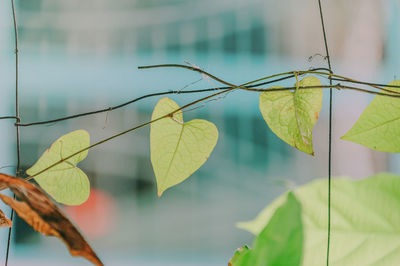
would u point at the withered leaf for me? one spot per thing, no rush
(36, 208)
(4, 221)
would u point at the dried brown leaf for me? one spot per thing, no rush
(37, 209)
(4, 221)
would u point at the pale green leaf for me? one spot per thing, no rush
(292, 115)
(280, 243)
(178, 149)
(365, 227)
(378, 127)
(65, 182)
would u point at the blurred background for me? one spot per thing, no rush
(78, 56)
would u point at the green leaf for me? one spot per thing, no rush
(378, 127)
(65, 182)
(365, 225)
(280, 242)
(178, 149)
(240, 257)
(292, 115)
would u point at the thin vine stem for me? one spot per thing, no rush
(177, 92)
(330, 74)
(370, 84)
(17, 117)
(329, 134)
(333, 86)
(127, 131)
(390, 93)
(337, 86)
(245, 86)
(145, 124)
(232, 87)
(9, 117)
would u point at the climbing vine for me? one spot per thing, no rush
(292, 229)
(179, 148)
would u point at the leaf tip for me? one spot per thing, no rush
(4, 221)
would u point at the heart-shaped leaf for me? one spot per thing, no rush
(37, 210)
(378, 127)
(292, 115)
(279, 243)
(178, 149)
(65, 182)
(365, 223)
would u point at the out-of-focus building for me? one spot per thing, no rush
(125, 27)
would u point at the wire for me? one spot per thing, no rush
(329, 134)
(16, 117)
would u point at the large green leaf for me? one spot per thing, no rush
(65, 182)
(292, 115)
(280, 243)
(365, 228)
(178, 149)
(378, 127)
